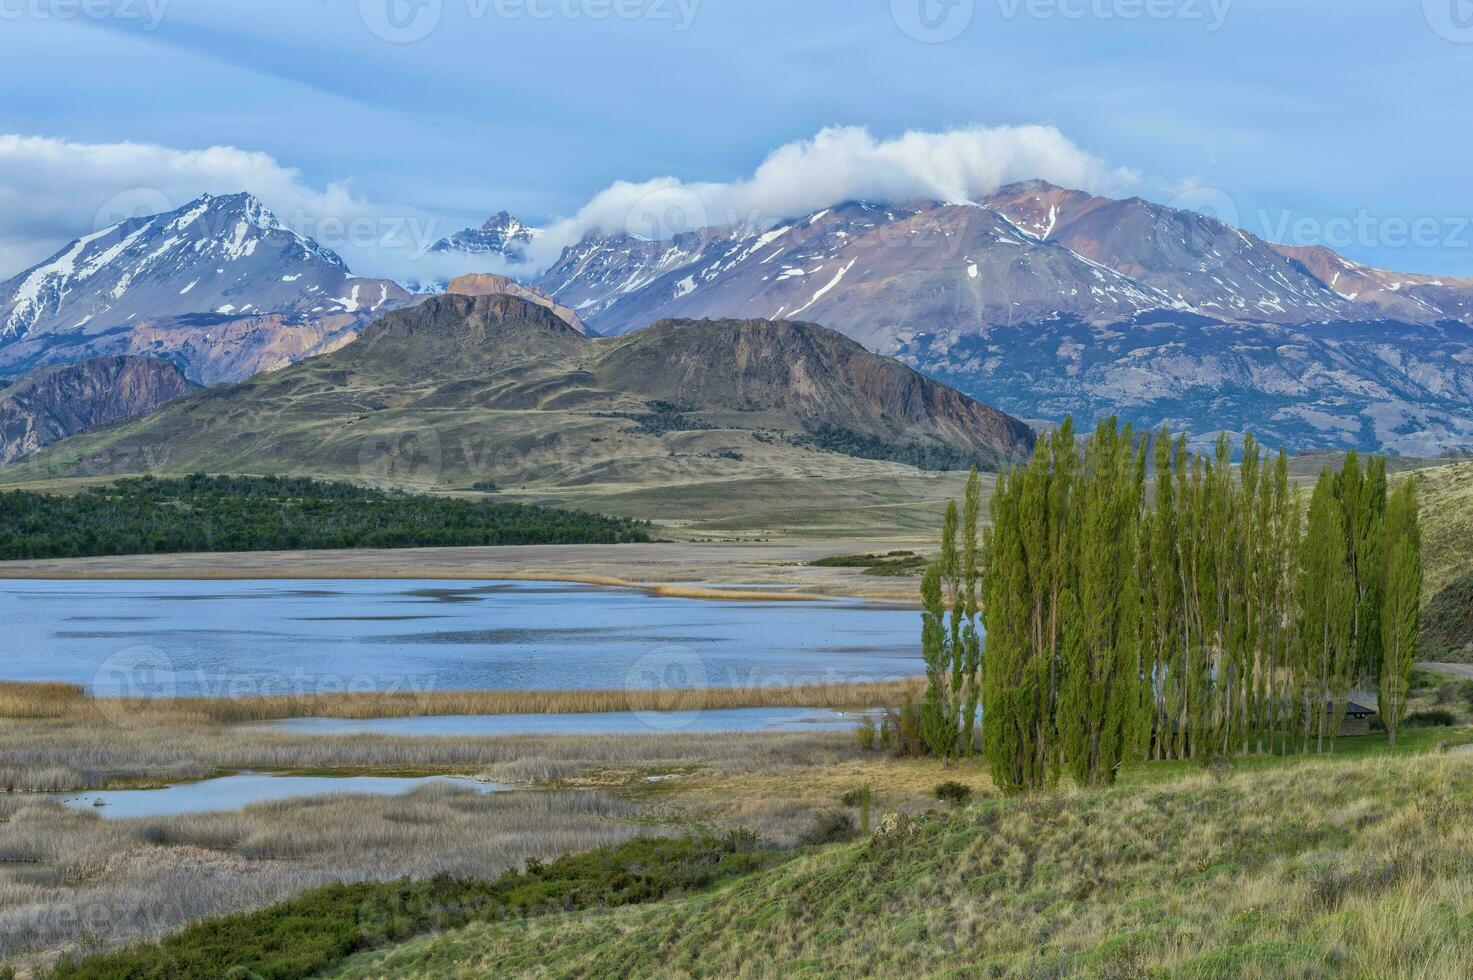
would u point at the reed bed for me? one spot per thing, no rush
(73, 882)
(70, 701)
(60, 756)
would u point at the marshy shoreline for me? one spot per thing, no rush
(718, 570)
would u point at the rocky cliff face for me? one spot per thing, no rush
(51, 403)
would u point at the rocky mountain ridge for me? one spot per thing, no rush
(462, 390)
(51, 403)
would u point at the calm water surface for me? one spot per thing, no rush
(235, 638)
(243, 789)
(583, 723)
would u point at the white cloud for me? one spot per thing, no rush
(52, 191)
(844, 163)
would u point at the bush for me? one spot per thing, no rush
(866, 735)
(830, 827)
(308, 934)
(1433, 718)
(901, 731)
(953, 792)
(859, 798)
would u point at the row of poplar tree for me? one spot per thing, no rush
(1210, 615)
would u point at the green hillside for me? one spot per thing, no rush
(1319, 869)
(460, 392)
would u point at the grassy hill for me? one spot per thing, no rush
(1446, 496)
(1316, 869)
(462, 392)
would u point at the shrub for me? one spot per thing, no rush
(830, 827)
(859, 798)
(902, 733)
(953, 792)
(310, 933)
(867, 735)
(1433, 718)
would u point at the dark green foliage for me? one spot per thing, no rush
(953, 792)
(921, 455)
(249, 513)
(891, 563)
(312, 932)
(830, 827)
(661, 418)
(1431, 718)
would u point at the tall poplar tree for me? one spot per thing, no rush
(1326, 608)
(1100, 699)
(940, 642)
(970, 651)
(1400, 618)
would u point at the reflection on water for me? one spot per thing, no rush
(243, 789)
(258, 637)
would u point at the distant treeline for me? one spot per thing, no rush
(240, 513)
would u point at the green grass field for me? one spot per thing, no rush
(1348, 867)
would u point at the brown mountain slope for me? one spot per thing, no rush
(489, 283)
(792, 370)
(463, 390)
(51, 403)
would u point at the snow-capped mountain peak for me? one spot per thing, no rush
(222, 256)
(502, 234)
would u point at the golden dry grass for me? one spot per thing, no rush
(68, 701)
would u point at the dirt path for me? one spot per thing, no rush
(1456, 670)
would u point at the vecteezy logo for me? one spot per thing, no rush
(1451, 19)
(136, 202)
(1212, 203)
(131, 681)
(677, 676)
(666, 212)
(1209, 201)
(933, 21)
(409, 456)
(401, 21)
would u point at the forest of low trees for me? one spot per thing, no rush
(250, 513)
(1141, 601)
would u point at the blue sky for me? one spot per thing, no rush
(1349, 122)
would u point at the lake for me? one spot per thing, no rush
(582, 723)
(242, 638)
(242, 789)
